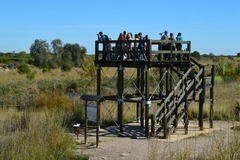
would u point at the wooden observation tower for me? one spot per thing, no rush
(166, 83)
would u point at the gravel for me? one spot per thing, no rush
(132, 145)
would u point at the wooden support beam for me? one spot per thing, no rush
(212, 96)
(153, 125)
(201, 101)
(147, 101)
(186, 110)
(120, 97)
(86, 124)
(142, 91)
(98, 124)
(138, 86)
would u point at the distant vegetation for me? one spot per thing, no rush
(41, 54)
(39, 97)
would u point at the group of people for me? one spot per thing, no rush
(177, 46)
(137, 45)
(125, 46)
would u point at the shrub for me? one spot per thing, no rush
(72, 86)
(4, 90)
(66, 67)
(53, 100)
(46, 68)
(228, 70)
(31, 75)
(24, 68)
(11, 65)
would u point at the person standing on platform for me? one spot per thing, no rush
(103, 38)
(179, 38)
(165, 37)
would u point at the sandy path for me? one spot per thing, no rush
(134, 146)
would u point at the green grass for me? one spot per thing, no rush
(218, 78)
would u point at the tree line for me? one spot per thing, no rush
(42, 53)
(58, 54)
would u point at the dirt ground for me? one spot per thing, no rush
(132, 144)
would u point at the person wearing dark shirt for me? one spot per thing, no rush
(141, 47)
(103, 38)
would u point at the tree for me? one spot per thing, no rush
(196, 54)
(57, 46)
(238, 54)
(211, 55)
(57, 50)
(41, 52)
(22, 53)
(74, 53)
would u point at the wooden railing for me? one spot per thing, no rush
(151, 51)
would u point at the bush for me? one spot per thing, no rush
(24, 68)
(31, 75)
(46, 68)
(66, 67)
(11, 65)
(228, 70)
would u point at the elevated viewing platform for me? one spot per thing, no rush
(155, 79)
(148, 52)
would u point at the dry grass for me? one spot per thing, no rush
(226, 96)
(12, 76)
(33, 135)
(220, 145)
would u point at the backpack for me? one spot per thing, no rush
(106, 37)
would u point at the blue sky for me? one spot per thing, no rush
(211, 25)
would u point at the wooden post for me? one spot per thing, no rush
(94, 114)
(142, 91)
(189, 50)
(138, 86)
(153, 125)
(86, 124)
(186, 108)
(201, 102)
(171, 80)
(98, 123)
(98, 79)
(167, 82)
(120, 97)
(212, 96)
(98, 103)
(175, 123)
(161, 83)
(165, 127)
(147, 101)
(96, 51)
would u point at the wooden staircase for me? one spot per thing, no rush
(174, 108)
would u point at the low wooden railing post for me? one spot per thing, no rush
(212, 96)
(152, 125)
